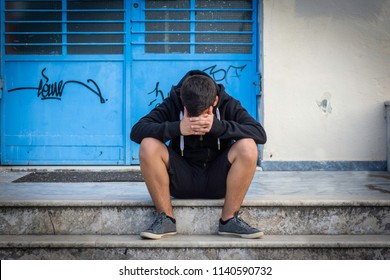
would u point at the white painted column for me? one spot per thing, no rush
(387, 106)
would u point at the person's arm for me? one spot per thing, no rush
(157, 124)
(238, 124)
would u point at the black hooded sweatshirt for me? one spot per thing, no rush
(163, 123)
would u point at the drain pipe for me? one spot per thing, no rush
(387, 106)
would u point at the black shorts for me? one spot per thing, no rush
(188, 180)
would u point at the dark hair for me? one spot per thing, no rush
(198, 93)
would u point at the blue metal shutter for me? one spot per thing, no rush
(169, 38)
(64, 101)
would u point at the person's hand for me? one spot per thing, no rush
(197, 125)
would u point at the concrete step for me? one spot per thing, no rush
(277, 217)
(305, 215)
(194, 247)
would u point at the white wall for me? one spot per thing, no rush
(326, 78)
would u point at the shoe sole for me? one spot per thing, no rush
(149, 235)
(247, 236)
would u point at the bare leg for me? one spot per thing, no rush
(243, 157)
(154, 162)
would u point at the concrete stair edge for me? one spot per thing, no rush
(194, 241)
(271, 202)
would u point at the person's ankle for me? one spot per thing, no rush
(226, 218)
(171, 217)
(224, 222)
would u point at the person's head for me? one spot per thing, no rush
(198, 93)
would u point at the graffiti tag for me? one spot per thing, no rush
(54, 90)
(217, 74)
(223, 74)
(158, 94)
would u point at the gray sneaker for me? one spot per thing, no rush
(238, 227)
(162, 226)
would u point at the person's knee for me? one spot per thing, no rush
(150, 149)
(246, 150)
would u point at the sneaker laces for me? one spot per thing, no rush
(158, 220)
(237, 217)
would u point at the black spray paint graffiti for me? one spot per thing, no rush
(217, 74)
(46, 90)
(158, 93)
(222, 74)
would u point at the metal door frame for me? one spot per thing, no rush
(2, 3)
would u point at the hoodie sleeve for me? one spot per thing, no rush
(157, 124)
(237, 123)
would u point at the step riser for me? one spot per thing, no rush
(195, 253)
(296, 220)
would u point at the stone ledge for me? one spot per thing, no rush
(264, 202)
(194, 241)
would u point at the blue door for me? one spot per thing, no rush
(170, 38)
(64, 97)
(79, 73)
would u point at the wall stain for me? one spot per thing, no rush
(324, 104)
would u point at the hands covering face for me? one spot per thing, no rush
(199, 125)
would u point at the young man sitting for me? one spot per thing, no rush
(212, 153)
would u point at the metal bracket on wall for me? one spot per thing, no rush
(1, 87)
(258, 84)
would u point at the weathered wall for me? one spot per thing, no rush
(326, 78)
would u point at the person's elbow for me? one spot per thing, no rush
(262, 137)
(135, 135)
